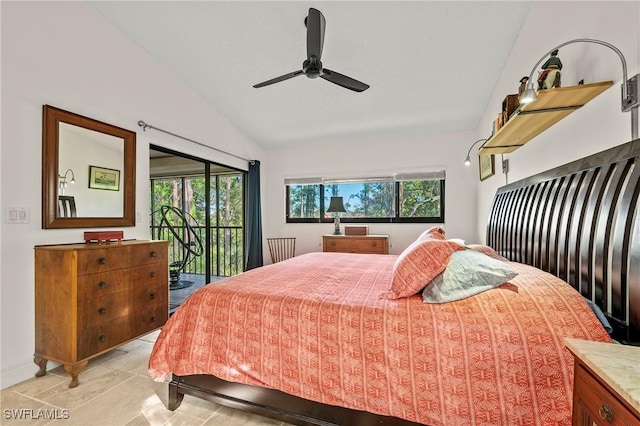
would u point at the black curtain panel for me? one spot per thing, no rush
(253, 229)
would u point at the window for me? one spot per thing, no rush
(303, 201)
(414, 197)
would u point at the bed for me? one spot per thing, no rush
(329, 348)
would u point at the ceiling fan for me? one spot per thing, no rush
(312, 67)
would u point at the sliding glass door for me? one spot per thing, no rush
(198, 206)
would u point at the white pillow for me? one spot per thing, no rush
(468, 273)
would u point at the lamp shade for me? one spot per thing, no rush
(336, 205)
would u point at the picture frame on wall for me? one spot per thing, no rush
(487, 166)
(103, 178)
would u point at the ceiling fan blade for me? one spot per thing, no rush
(315, 33)
(279, 79)
(343, 80)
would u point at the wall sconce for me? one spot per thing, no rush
(467, 161)
(630, 96)
(63, 180)
(336, 206)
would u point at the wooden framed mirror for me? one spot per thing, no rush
(88, 172)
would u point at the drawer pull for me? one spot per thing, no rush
(152, 296)
(373, 244)
(102, 284)
(152, 274)
(153, 319)
(154, 254)
(102, 311)
(102, 338)
(102, 260)
(606, 413)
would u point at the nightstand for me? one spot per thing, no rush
(371, 244)
(606, 388)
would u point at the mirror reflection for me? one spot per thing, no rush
(88, 172)
(90, 165)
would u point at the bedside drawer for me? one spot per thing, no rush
(338, 244)
(594, 404)
(369, 244)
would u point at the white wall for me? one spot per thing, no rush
(595, 127)
(65, 55)
(372, 158)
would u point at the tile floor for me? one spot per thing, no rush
(115, 389)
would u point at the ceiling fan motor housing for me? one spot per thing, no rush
(312, 68)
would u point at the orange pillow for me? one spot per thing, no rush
(418, 265)
(436, 232)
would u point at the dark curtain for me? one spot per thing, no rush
(253, 227)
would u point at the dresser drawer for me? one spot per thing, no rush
(101, 310)
(145, 254)
(110, 258)
(105, 283)
(594, 404)
(99, 338)
(105, 259)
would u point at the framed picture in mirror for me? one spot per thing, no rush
(103, 178)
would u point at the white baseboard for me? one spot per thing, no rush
(26, 370)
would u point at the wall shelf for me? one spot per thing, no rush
(532, 119)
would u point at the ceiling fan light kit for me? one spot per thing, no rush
(312, 66)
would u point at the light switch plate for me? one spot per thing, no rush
(18, 215)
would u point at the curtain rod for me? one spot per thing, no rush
(146, 126)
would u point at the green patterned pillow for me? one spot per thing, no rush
(468, 273)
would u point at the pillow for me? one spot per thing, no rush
(436, 232)
(468, 273)
(418, 265)
(457, 241)
(486, 250)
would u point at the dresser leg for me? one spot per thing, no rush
(73, 370)
(42, 363)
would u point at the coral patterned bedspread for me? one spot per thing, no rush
(314, 326)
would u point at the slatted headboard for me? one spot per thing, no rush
(581, 223)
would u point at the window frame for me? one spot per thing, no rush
(395, 219)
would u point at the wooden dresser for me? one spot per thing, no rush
(372, 244)
(91, 298)
(606, 387)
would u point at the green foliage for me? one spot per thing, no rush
(304, 201)
(420, 198)
(226, 218)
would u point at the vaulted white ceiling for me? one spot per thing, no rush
(431, 65)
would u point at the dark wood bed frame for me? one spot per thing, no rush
(579, 222)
